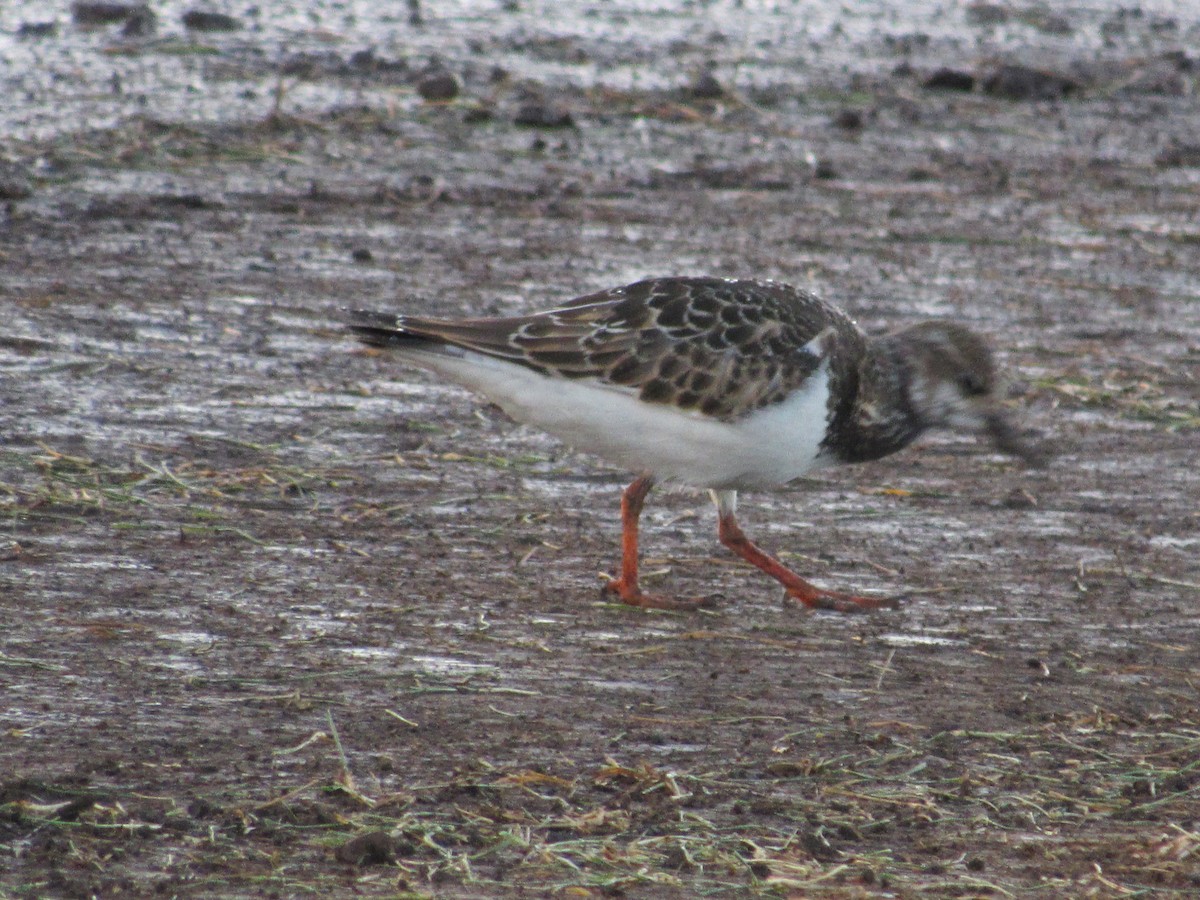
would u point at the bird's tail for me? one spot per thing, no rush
(378, 329)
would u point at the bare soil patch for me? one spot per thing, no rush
(281, 617)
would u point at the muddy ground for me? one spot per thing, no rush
(281, 617)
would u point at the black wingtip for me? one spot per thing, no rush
(378, 329)
(375, 329)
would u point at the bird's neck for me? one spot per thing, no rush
(880, 419)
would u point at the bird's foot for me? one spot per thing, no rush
(632, 595)
(843, 603)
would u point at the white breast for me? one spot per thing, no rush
(769, 447)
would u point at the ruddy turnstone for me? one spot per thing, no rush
(720, 384)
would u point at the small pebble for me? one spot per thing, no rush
(824, 170)
(375, 848)
(37, 29)
(15, 182)
(706, 87)
(986, 14)
(1023, 83)
(439, 87)
(199, 20)
(849, 119)
(540, 115)
(950, 80)
(478, 114)
(142, 22)
(98, 12)
(1019, 498)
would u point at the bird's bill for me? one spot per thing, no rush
(1009, 439)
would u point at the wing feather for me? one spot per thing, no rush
(721, 347)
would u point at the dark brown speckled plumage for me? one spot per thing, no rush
(721, 347)
(725, 353)
(726, 348)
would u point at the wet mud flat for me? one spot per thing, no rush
(281, 617)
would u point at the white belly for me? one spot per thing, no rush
(769, 447)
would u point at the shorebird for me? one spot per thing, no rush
(714, 383)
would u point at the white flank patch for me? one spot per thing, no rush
(769, 447)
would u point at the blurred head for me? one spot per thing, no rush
(954, 384)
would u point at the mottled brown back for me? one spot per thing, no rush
(717, 346)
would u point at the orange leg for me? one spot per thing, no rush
(732, 536)
(626, 587)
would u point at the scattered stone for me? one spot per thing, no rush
(361, 63)
(15, 183)
(375, 848)
(73, 809)
(1019, 498)
(301, 65)
(202, 808)
(367, 61)
(37, 29)
(706, 87)
(141, 23)
(824, 170)
(849, 120)
(420, 188)
(477, 115)
(1047, 22)
(542, 115)
(363, 60)
(986, 14)
(200, 20)
(100, 12)
(1012, 82)
(1180, 60)
(439, 86)
(760, 869)
(186, 201)
(950, 80)
(311, 64)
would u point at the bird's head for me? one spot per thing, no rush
(954, 383)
